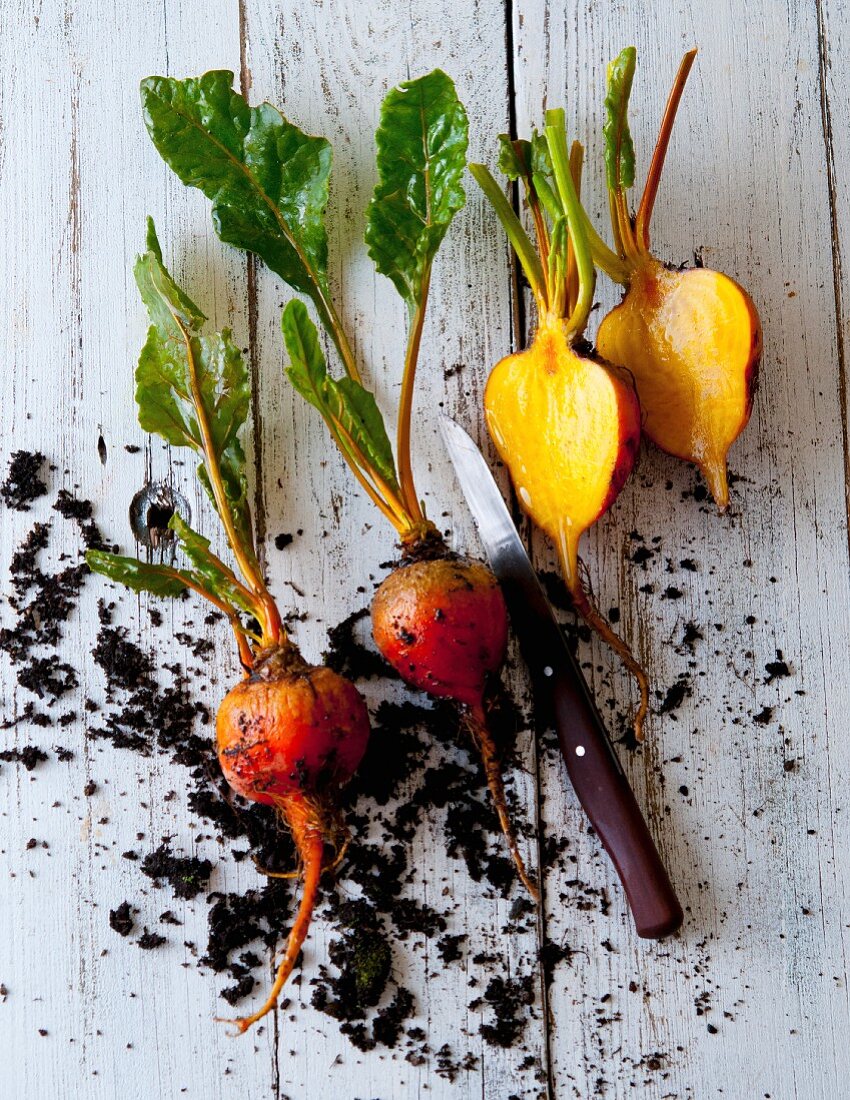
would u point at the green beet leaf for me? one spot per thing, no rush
(161, 580)
(514, 157)
(348, 408)
(541, 160)
(619, 149)
(421, 155)
(268, 181)
(209, 571)
(192, 390)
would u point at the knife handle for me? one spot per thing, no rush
(610, 804)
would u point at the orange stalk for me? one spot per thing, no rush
(405, 407)
(624, 226)
(653, 178)
(477, 722)
(588, 611)
(540, 230)
(245, 654)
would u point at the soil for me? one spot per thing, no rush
(121, 919)
(152, 708)
(30, 756)
(23, 482)
(186, 875)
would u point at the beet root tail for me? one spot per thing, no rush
(483, 739)
(599, 625)
(308, 831)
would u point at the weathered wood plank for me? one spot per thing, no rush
(78, 177)
(757, 849)
(751, 998)
(328, 66)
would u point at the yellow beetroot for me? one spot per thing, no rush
(565, 422)
(690, 338)
(567, 426)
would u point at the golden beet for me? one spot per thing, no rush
(567, 427)
(692, 340)
(289, 736)
(565, 423)
(442, 624)
(290, 728)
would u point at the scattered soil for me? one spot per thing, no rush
(150, 940)
(778, 669)
(121, 919)
(186, 875)
(48, 676)
(449, 1066)
(509, 999)
(43, 602)
(552, 955)
(676, 695)
(642, 555)
(449, 948)
(23, 482)
(152, 708)
(81, 511)
(352, 658)
(30, 756)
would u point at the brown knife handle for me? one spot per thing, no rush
(611, 807)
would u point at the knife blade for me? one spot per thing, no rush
(592, 764)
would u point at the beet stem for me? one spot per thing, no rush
(586, 608)
(405, 406)
(653, 178)
(477, 721)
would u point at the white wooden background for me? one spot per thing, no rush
(756, 182)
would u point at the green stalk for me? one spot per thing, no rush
(547, 196)
(333, 325)
(556, 139)
(606, 258)
(557, 267)
(525, 250)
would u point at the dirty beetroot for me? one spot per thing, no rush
(357, 988)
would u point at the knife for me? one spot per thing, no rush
(594, 770)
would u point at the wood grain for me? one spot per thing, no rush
(751, 999)
(353, 62)
(79, 177)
